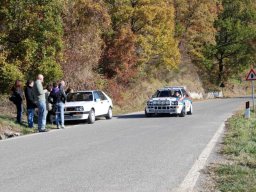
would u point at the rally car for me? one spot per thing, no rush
(169, 100)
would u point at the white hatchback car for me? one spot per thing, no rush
(87, 105)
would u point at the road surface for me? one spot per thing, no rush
(129, 153)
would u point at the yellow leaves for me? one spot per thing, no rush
(195, 24)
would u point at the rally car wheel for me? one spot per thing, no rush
(190, 110)
(91, 118)
(148, 114)
(183, 112)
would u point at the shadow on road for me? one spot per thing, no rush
(142, 116)
(131, 116)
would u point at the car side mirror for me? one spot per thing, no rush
(97, 100)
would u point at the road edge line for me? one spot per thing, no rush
(191, 178)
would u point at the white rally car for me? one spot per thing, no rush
(169, 100)
(87, 105)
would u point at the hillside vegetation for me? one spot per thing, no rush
(127, 47)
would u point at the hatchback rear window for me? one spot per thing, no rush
(81, 96)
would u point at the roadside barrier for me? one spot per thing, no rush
(247, 110)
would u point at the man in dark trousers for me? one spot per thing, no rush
(17, 99)
(31, 102)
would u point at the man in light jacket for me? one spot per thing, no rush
(41, 103)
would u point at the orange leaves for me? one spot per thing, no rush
(119, 60)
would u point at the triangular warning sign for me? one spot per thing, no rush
(251, 75)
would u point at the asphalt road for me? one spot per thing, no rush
(129, 153)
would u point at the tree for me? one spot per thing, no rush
(152, 24)
(234, 50)
(84, 22)
(195, 25)
(32, 37)
(120, 58)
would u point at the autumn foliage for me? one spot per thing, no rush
(115, 45)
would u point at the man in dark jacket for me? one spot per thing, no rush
(31, 102)
(57, 98)
(61, 103)
(17, 98)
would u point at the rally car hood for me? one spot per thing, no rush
(164, 99)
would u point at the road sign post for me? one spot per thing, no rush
(253, 104)
(251, 76)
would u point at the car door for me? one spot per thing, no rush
(104, 101)
(98, 104)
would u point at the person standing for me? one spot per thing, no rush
(61, 104)
(48, 104)
(16, 98)
(41, 102)
(31, 102)
(58, 97)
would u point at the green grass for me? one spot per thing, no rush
(239, 175)
(7, 122)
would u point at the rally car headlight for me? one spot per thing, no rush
(149, 103)
(154, 102)
(174, 102)
(167, 102)
(79, 108)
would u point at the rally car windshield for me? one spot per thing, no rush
(166, 93)
(80, 96)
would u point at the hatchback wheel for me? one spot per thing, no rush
(110, 114)
(91, 118)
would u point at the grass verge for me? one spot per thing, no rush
(7, 119)
(7, 124)
(238, 173)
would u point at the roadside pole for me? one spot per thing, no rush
(251, 76)
(247, 113)
(253, 105)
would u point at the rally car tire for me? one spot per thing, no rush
(190, 110)
(183, 112)
(147, 114)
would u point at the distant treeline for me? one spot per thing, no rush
(118, 43)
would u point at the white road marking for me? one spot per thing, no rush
(190, 180)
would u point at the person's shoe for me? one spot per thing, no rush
(43, 130)
(62, 127)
